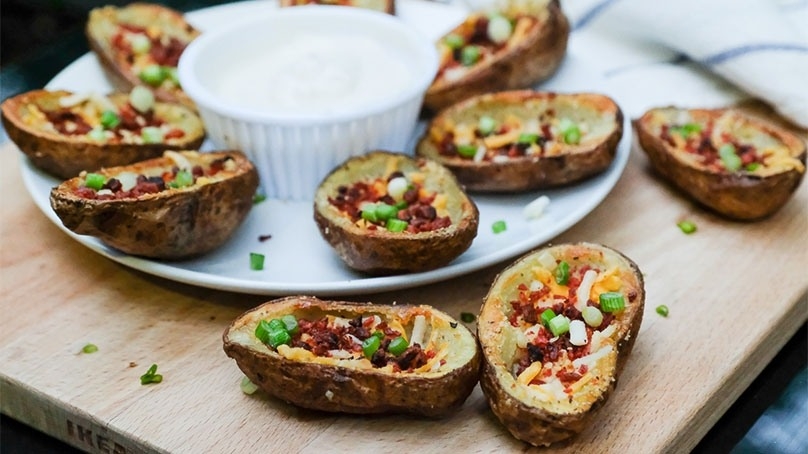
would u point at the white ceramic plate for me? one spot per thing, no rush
(298, 260)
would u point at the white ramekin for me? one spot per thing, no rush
(294, 152)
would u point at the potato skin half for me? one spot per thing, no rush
(573, 164)
(384, 6)
(379, 252)
(101, 26)
(333, 388)
(534, 59)
(526, 414)
(170, 225)
(66, 156)
(740, 196)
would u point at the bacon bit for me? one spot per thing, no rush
(263, 238)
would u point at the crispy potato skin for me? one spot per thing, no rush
(170, 225)
(379, 252)
(737, 196)
(351, 390)
(574, 164)
(66, 156)
(100, 28)
(534, 59)
(537, 422)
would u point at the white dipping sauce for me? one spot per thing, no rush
(316, 74)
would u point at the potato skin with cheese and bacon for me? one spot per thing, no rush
(343, 379)
(546, 373)
(522, 140)
(530, 51)
(181, 205)
(736, 165)
(378, 249)
(138, 42)
(46, 126)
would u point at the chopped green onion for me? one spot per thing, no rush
(729, 157)
(172, 75)
(369, 213)
(499, 226)
(385, 211)
(151, 134)
(592, 316)
(499, 28)
(467, 151)
(256, 261)
(398, 345)
(258, 198)
(370, 345)
(486, 125)
(153, 75)
(276, 324)
(151, 376)
(469, 55)
(467, 317)
(562, 273)
(396, 225)
(752, 166)
(546, 316)
(454, 41)
(290, 323)
(572, 135)
(89, 348)
(686, 129)
(559, 325)
(110, 119)
(247, 386)
(182, 179)
(262, 331)
(527, 138)
(278, 337)
(94, 181)
(662, 310)
(612, 302)
(686, 227)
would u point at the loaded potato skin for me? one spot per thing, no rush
(384, 6)
(328, 361)
(140, 44)
(386, 213)
(64, 133)
(181, 205)
(556, 329)
(514, 141)
(729, 162)
(516, 47)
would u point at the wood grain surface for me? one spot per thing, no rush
(736, 293)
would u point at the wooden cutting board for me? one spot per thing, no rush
(736, 293)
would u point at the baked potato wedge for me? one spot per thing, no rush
(387, 213)
(556, 329)
(357, 358)
(177, 206)
(141, 44)
(64, 133)
(516, 46)
(520, 140)
(383, 6)
(729, 162)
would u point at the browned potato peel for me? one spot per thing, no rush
(762, 165)
(351, 384)
(171, 224)
(376, 250)
(26, 120)
(545, 386)
(504, 161)
(532, 53)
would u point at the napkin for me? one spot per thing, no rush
(697, 53)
